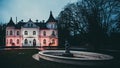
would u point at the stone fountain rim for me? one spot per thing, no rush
(78, 52)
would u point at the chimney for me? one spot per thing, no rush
(43, 21)
(16, 20)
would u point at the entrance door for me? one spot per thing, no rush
(34, 42)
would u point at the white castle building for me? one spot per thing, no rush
(32, 33)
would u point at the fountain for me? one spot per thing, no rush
(67, 50)
(75, 57)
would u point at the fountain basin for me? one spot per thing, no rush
(80, 57)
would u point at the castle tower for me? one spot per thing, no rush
(10, 30)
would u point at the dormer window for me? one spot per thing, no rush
(28, 25)
(31, 25)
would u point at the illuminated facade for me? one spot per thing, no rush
(32, 33)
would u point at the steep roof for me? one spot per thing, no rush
(41, 25)
(11, 23)
(51, 18)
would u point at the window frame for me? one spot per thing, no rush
(44, 41)
(34, 32)
(18, 33)
(11, 32)
(25, 32)
(18, 41)
(44, 33)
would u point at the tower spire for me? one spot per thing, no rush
(51, 18)
(11, 23)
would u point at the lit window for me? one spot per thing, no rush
(44, 41)
(17, 41)
(44, 33)
(26, 41)
(34, 32)
(26, 33)
(18, 33)
(11, 41)
(53, 41)
(53, 33)
(11, 32)
(7, 41)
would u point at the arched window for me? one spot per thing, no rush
(11, 33)
(11, 41)
(17, 41)
(53, 33)
(44, 33)
(34, 32)
(26, 41)
(18, 33)
(53, 41)
(34, 42)
(44, 41)
(26, 33)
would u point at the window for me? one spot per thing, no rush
(18, 33)
(52, 26)
(26, 41)
(11, 41)
(44, 33)
(31, 25)
(34, 32)
(26, 33)
(7, 41)
(53, 41)
(11, 32)
(34, 42)
(7, 32)
(17, 41)
(44, 41)
(28, 25)
(53, 33)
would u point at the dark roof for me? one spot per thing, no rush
(30, 20)
(40, 24)
(19, 24)
(51, 18)
(11, 23)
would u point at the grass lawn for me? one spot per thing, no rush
(22, 58)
